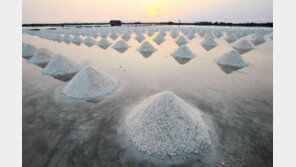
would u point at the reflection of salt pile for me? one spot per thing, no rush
(120, 46)
(243, 46)
(28, 51)
(89, 83)
(140, 38)
(257, 39)
(77, 40)
(42, 57)
(208, 43)
(230, 38)
(190, 35)
(231, 59)
(103, 43)
(181, 40)
(183, 54)
(113, 36)
(158, 39)
(89, 41)
(164, 125)
(61, 68)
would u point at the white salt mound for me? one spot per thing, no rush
(126, 36)
(158, 39)
(258, 39)
(89, 41)
(67, 39)
(77, 39)
(140, 38)
(120, 45)
(42, 57)
(28, 51)
(60, 66)
(146, 47)
(183, 52)
(243, 46)
(232, 59)
(230, 38)
(174, 34)
(218, 34)
(89, 83)
(103, 43)
(209, 43)
(190, 35)
(113, 36)
(181, 40)
(165, 125)
(210, 35)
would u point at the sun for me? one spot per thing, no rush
(153, 13)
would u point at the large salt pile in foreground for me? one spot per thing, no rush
(89, 83)
(258, 39)
(158, 39)
(208, 44)
(166, 126)
(231, 59)
(42, 57)
(61, 68)
(28, 51)
(243, 46)
(103, 43)
(121, 46)
(181, 40)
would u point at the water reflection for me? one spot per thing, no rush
(182, 61)
(121, 50)
(228, 69)
(146, 54)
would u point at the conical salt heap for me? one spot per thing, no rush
(89, 41)
(158, 39)
(42, 57)
(77, 40)
(231, 59)
(218, 34)
(67, 39)
(103, 43)
(140, 38)
(146, 49)
(174, 34)
(243, 46)
(210, 36)
(89, 83)
(121, 46)
(258, 39)
(103, 34)
(150, 33)
(181, 40)
(28, 51)
(183, 54)
(190, 35)
(164, 125)
(230, 38)
(126, 36)
(113, 36)
(208, 44)
(61, 68)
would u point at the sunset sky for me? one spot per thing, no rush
(56, 11)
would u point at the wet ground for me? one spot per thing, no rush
(237, 105)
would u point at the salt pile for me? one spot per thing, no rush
(208, 44)
(61, 68)
(230, 38)
(150, 33)
(120, 46)
(42, 57)
(146, 49)
(158, 39)
(258, 39)
(113, 36)
(67, 39)
(181, 40)
(103, 43)
(190, 35)
(231, 59)
(183, 54)
(126, 36)
(77, 40)
(140, 38)
(28, 51)
(165, 126)
(210, 36)
(218, 34)
(174, 34)
(89, 83)
(243, 46)
(103, 34)
(89, 41)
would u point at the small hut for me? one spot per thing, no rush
(115, 23)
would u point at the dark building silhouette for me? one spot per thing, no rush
(115, 23)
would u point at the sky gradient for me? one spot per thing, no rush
(57, 11)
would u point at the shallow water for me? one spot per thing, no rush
(58, 131)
